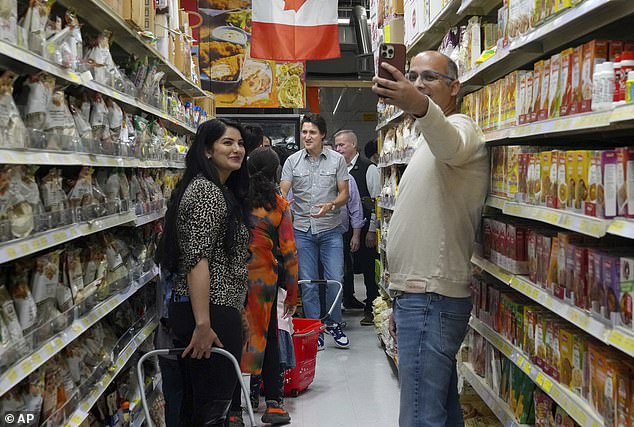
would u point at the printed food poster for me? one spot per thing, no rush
(231, 74)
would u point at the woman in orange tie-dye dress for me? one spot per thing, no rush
(272, 240)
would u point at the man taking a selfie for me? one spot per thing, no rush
(430, 243)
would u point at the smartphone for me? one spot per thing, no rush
(393, 54)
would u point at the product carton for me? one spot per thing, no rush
(552, 200)
(629, 184)
(542, 275)
(521, 96)
(527, 102)
(562, 183)
(554, 87)
(611, 284)
(536, 179)
(564, 239)
(624, 396)
(615, 48)
(546, 186)
(570, 269)
(593, 206)
(596, 292)
(541, 352)
(576, 64)
(608, 172)
(598, 360)
(414, 10)
(530, 320)
(580, 364)
(566, 350)
(584, 160)
(552, 279)
(627, 290)
(595, 51)
(515, 18)
(580, 278)
(565, 82)
(522, 186)
(544, 92)
(538, 73)
(621, 181)
(531, 253)
(553, 354)
(571, 179)
(503, 26)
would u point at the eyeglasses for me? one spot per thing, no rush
(428, 76)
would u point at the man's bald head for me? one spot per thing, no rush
(451, 69)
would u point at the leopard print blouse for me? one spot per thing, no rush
(201, 228)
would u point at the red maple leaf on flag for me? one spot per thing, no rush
(293, 4)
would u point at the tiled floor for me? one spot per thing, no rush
(352, 388)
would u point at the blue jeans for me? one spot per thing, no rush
(429, 330)
(311, 248)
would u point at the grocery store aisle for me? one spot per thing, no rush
(352, 388)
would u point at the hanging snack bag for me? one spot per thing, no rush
(35, 22)
(24, 303)
(41, 87)
(12, 129)
(45, 277)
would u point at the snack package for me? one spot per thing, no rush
(99, 57)
(8, 20)
(12, 129)
(54, 198)
(24, 201)
(82, 193)
(100, 126)
(24, 303)
(72, 269)
(60, 124)
(115, 120)
(41, 87)
(45, 277)
(35, 22)
(12, 340)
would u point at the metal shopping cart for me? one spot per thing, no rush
(176, 351)
(297, 379)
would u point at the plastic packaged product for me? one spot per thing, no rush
(41, 87)
(60, 125)
(100, 58)
(8, 20)
(12, 338)
(627, 65)
(24, 303)
(45, 276)
(54, 198)
(115, 121)
(12, 129)
(35, 22)
(629, 87)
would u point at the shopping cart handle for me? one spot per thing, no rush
(175, 351)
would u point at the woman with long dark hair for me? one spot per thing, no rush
(273, 255)
(205, 245)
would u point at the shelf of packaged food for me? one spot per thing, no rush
(20, 370)
(587, 225)
(618, 118)
(499, 407)
(21, 60)
(556, 33)
(391, 120)
(387, 206)
(19, 248)
(101, 16)
(395, 162)
(596, 326)
(452, 14)
(574, 405)
(83, 410)
(146, 219)
(60, 158)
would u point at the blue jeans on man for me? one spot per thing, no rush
(312, 248)
(430, 329)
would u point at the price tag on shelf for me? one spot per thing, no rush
(77, 328)
(74, 77)
(547, 384)
(59, 237)
(579, 319)
(591, 228)
(513, 209)
(540, 379)
(49, 349)
(12, 253)
(76, 420)
(37, 358)
(526, 368)
(26, 366)
(24, 248)
(549, 216)
(12, 376)
(621, 340)
(622, 113)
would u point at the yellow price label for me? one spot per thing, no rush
(49, 349)
(37, 359)
(12, 253)
(540, 379)
(549, 217)
(568, 221)
(616, 226)
(520, 361)
(12, 376)
(620, 340)
(76, 419)
(527, 368)
(59, 237)
(73, 232)
(24, 248)
(26, 366)
(547, 385)
(589, 227)
(579, 319)
(512, 209)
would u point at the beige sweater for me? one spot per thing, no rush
(441, 194)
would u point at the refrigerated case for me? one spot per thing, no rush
(282, 129)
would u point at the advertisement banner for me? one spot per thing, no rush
(231, 74)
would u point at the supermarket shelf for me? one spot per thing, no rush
(146, 219)
(15, 249)
(58, 158)
(453, 13)
(396, 162)
(498, 406)
(26, 366)
(619, 118)
(590, 226)
(556, 33)
(386, 206)
(391, 120)
(600, 328)
(101, 16)
(576, 407)
(82, 412)
(16, 58)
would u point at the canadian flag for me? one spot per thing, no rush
(295, 30)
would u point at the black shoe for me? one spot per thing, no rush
(353, 304)
(368, 319)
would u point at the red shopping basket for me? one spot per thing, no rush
(297, 379)
(301, 376)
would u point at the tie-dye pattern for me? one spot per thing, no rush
(263, 273)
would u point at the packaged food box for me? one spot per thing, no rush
(544, 92)
(564, 239)
(576, 63)
(629, 182)
(565, 82)
(580, 278)
(596, 292)
(580, 370)
(546, 187)
(531, 253)
(535, 194)
(622, 154)
(554, 87)
(522, 186)
(595, 51)
(538, 82)
(552, 200)
(562, 183)
(626, 290)
(552, 347)
(608, 171)
(521, 96)
(571, 179)
(552, 283)
(592, 205)
(611, 283)
(584, 161)
(566, 351)
(624, 397)
(541, 352)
